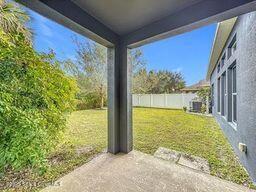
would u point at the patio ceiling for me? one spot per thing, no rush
(124, 17)
(137, 22)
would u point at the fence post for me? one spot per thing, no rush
(182, 99)
(165, 100)
(151, 100)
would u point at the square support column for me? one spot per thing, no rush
(119, 101)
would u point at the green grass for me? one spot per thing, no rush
(193, 134)
(174, 129)
(84, 128)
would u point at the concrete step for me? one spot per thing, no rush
(184, 159)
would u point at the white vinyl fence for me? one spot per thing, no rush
(173, 101)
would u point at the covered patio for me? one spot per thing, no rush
(137, 171)
(120, 26)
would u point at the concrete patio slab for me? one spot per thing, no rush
(137, 171)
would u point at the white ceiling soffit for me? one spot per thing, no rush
(125, 16)
(221, 36)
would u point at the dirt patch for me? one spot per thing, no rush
(18, 180)
(57, 158)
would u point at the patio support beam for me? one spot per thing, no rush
(126, 134)
(113, 101)
(195, 16)
(119, 100)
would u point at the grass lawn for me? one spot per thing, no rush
(86, 136)
(193, 134)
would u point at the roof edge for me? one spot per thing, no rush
(222, 34)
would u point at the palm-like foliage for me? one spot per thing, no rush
(13, 19)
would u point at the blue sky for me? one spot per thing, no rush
(187, 53)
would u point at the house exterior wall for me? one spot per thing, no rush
(245, 57)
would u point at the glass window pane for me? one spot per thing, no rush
(234, 48)
(218, 95)
(223, 91)
(234, 108)
(234, 79)
(212, 102)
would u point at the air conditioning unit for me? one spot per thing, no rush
(195, 106)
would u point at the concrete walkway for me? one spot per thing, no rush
(137, 171)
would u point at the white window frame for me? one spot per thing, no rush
(219, 95)
(212, 95)
(225, 96)
(222, 61)
(218, 67)
(223, 101)
(231, 46)
(234, 94)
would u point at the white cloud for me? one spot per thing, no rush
(72, 57)
(178, 70)
(42, 23)
(49, 43)
(45, 30)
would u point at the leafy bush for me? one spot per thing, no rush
(88, 101)
(35, 95)
(184, 109)
(204, 94)
(203, 108)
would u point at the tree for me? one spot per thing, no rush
(35, 97)
(92, 62)
(13, 19)
(139, 72)
(169, 82)
(158, 82)
(140, 82)
(152, 82)
(90, 70)
(137, 60)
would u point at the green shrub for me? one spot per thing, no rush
(88, 101)
(203, 108)
(35, 96)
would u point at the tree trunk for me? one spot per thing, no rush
(102, 102)
(101, 97)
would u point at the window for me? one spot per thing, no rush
(223, 94)
(234, 95)
(212, 95)
(218, 89)
(218, 68)
(232, 47)
(222, 62)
